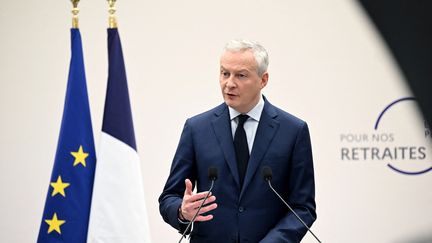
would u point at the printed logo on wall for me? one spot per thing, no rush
(398, 139)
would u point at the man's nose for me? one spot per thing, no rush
(230, 83)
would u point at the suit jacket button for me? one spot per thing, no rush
(241, 209)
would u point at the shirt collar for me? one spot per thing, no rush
(255, 113)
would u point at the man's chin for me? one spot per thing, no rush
(234, 106)
(230, 103)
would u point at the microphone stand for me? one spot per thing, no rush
(298, 217)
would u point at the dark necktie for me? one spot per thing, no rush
(241, 147)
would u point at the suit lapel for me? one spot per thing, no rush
(222, 128)
(266, 130)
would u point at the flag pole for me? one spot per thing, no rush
(75, 11)
(112, 21)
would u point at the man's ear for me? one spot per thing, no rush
(264, 79)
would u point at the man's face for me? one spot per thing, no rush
(239, 80)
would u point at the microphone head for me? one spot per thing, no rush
(267, 173)
(212, 173)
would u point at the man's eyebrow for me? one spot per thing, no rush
(236, 71)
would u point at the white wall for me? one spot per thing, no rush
(327, 66)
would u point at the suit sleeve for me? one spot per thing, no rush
(302, 194)
(183, 166)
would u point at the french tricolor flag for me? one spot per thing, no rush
(118, 212)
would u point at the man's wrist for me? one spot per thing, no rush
(181, 217)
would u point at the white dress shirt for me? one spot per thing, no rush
(251, 123)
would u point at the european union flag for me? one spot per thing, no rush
(67, 207)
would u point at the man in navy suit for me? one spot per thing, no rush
(239, 138)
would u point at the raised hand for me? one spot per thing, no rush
(191, 203)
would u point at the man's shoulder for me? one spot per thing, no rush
(208, 115)
(283, 116)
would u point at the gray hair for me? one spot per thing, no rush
(260, 53)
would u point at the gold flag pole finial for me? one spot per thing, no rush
(75, 11)
(112, 19)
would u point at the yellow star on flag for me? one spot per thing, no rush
(59, 187)
(80, 156)
(54, 224)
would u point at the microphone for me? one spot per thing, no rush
(212, 175)
(267, 175)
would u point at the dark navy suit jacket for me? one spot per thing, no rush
(251, 213)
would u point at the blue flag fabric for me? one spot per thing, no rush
(117, 119)
(66, 214)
